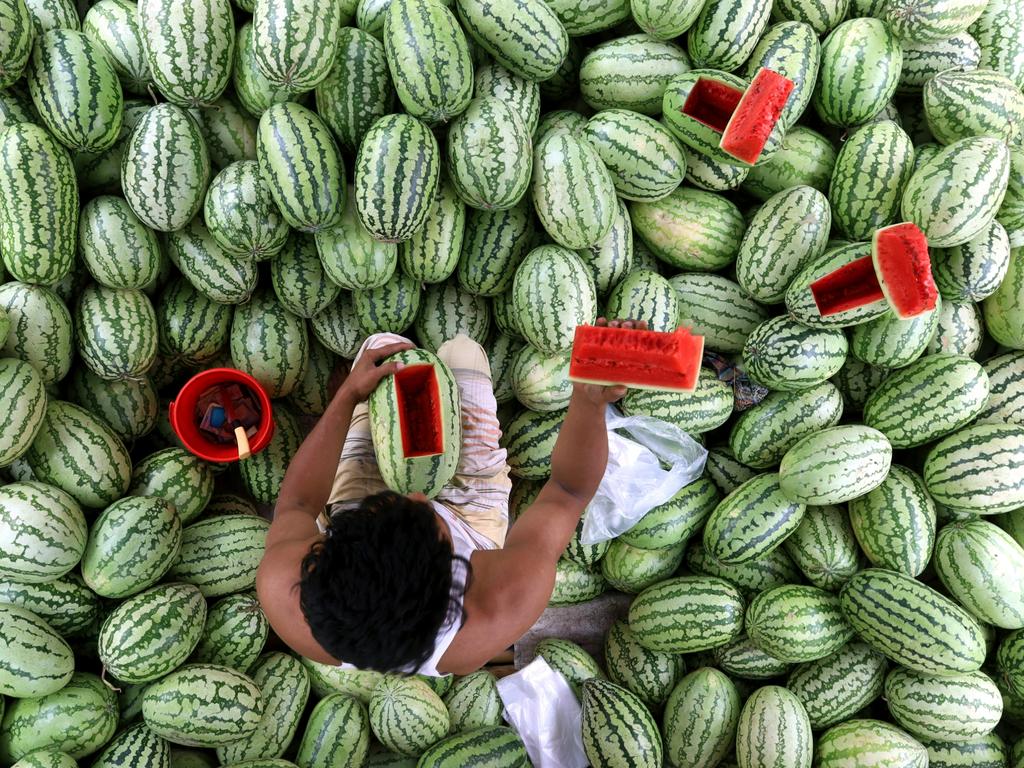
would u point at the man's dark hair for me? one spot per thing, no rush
(378, 587)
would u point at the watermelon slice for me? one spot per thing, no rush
(712, 102)
(638, 359)
(898, 271)
(419, 411)
(756, 115)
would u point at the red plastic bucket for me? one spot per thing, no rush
(182, 414)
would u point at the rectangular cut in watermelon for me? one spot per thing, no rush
(756, 115)
(898, 271)
(712, 103)
(904, 269)
(419, 411)
(638, 359)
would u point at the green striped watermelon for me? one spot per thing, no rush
(973, 270)
(1001, 48)
(113, 25)
(166, 145)
(632, 569)
(690, 229)
(687, 614)
(960, 329)
(790, 229)
(1011, 212)
(718, 309)
(22, 408)
(524, 36)
(791, 48)
(911, 623)
(973, 470)
(234, 634)
(75, 90)
(957, 708)
(712, 175)
(255, 93)
(976, 102)
(47, 758)
(800, 301)
(228, 130)
(631, 72)
(315, 390)
(432, 253)
(522, 95)
(66, 604)
(116, 332)
(824, 547)
(529, 439)
(677, 519)
(300, 164)
(78, 719)
(795, 623)
(294, 43)
(923, 61)
(406, 716)
(700, 719)
(618, 729)
(131, 545)
(192, 327)
(762, 435)
(937, 21)
(17, 41)
(425, 473)
(564, 84)
(1004, 309)
(351, 257)
(396, 177)
(986, 752)
(220, 554)
(872, 742)
(575, 583)
(494, 747)
(548, 272)
(502, 350)
(889, 342)
(241, 215)
(37, 236)
(263, 473)
(541, 382)
(835, 464)
(570, 661)
(269, 343)
(645, 295)
(665, 20)
(299, 280)
(48, 526)
(1004, 403)
(40, 329)
(745, 660)
(284, 684)
(805, 158)
(702, 410)
(326, 679)
(773, 730)
(650, 675)
(151, 634)
(784, 354)
(611, 258)
(495, 244)
(473, 702)
(137, 745)
(752, 577)
(447, 311)
(223, 705)
(582, 18)
(118, 250)
(836, 687)
(724, 34)
(751, 521)
(429, 59)
(37, 661)
(860, 69)
(177, 476)
(78, 453)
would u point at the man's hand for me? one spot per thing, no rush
(367, 373)
(600, 395)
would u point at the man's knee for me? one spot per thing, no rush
(464, 352)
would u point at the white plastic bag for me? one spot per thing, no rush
(541, 706)
(635, 482)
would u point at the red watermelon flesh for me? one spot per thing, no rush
(419, 411)
(638, 359)
(756, 115)
(904, 269)
(852, 285)
(712, 102)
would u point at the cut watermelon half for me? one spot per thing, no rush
(419, 411)
(712, 103)
(638, 359)
(756, 115)
(898, 271)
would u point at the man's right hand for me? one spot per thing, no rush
(367, 373)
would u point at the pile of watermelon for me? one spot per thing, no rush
(188, 183)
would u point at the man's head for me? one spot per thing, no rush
(377, 588)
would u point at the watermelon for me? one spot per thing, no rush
(406, 716)
(805, 158)
(494, 245)
(665, 20)
(284, 684)
(47, 758)
(351, 258)
(677, 519)
(241, 215)
(116, 332)
(326, 679)
(707, 407)
(860, 69)
(529, 439)
(37, 237)
(972, 470)
(78, 453)
(522, 95)
(869, 740)
(499, 747)
(294, 43)
(570, 661)
(224, 705)
(762, 435)
(134, 746)
(101, 172)
(773, 730)
(49, 527)
(66, 604)
(314, 392)
(117, 248)
(718, 309)
(151, 634)
(1003, 403)
(204, 36)
(17, 41)
(37, 661)
(270, 344)
(77, 719)
(593, 16)
(113, 26)
(723, 36)
(889, 342)
(228, 130)
(429, 59)
(447, 311)
(192, 328)
(1011, 212)
(576, 583)
(650, 675)
(923, 61)
(131, 545)
(690, 229)
(1004, 309)
(743, 659)
(263, 473)
(547, 271)
(23, 405)
(974, 270)
(396, 177)
(220, 554)
(489, 155)
(700, 719)
(541, 382)
(986, 752)
(75, 90)
(797, 623)
(751, 521)
(300, 163)
(784, 354)
(416, 455)
(645, 295)
(473, 702)
(824, 547)
(631, 569)
(791, 49)
(977, 102)
(299, 280)
(957, 708)
(936, 196)
(687, 614)
(40, 330)
(835, 464)
(752, 577)
(936, 22)
(502, 353)
(255, 93)
(617, 728)
(895, 523)
(573, 192)
(835, 687)
(432, 253)
(611, 258)
(179, 477)
(960, 329)
(911, 623)
(524, 36)
(630, 72)
(234, 635)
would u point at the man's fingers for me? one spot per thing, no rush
(388, 369)
(641, 325)
(616, 393)
(601, 322)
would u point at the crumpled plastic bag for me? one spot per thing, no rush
(635, 481)
(541, 706)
